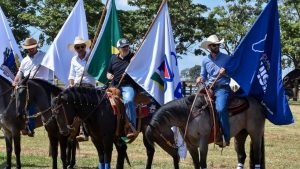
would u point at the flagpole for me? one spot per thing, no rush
(95, 38)
(151, 25)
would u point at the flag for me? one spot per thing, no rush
(155, 66)
(257, 65)
(105, 44)
(58, 57)
(10, 55)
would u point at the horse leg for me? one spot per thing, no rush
(17, 146)
(150, 152)
(54, 150)
(121, 149)
(108, 147)
(8, 142)
(195, 155)
(256, 144)
(71, 156)
(166, 141)
(239, 146)
(63, 141)
(203, 152)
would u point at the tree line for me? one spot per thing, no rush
(191, 22)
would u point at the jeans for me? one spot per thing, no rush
(128, 94)
(31, 121)
(222, 98)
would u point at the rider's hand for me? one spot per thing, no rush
(222, 71)
(199, 80)
(109, 76)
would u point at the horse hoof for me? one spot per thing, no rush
(7, 167)
(70, 167)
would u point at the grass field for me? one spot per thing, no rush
(282, 144)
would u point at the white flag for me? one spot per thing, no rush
(155, 66)
(58, 57)
(8, 47)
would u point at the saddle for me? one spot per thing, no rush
(236, 105)
(142, 111)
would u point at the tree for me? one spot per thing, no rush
(51, 15)
(191, 74)
(13, 11)
(233, 20)
(290, 33)
(187, 22)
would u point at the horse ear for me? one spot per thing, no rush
(191, 98)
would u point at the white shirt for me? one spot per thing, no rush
(77, 67)
(31, 65)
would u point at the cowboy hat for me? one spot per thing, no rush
(78, 41)
(29, 43)
(212, 39)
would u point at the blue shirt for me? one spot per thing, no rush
(210, 69)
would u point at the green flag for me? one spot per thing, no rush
(105, 45)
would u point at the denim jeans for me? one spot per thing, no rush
(222, 99)
(31, 121)
(128, 94)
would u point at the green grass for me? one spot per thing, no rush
(282, 144)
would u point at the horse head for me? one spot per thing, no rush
(21, 95)
(63, 113)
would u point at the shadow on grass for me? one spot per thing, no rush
(294, 102)
(3, 164)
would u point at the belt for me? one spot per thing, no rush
(219, 86)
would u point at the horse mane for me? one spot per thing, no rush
(82, 95)
(176, 109)
(47, 86)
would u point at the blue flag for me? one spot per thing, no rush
(10, 62)
(257, 65)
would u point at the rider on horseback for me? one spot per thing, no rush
(31, 65)
(116, 68)
(214, 73)
(76, 75)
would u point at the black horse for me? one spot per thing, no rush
(198, 128)
(93, 107)
(10, 123)
(39, 93)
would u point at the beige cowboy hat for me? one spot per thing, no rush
(212, 39)
(78, 41)
(29, 43)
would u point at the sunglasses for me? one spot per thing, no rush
(214, 45)
(78, 47)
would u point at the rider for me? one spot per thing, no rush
(116, 68)
(77, 68)
(214, 73)
(30, 65)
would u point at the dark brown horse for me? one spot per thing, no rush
(39, 93)
(175, 113)
(10, 123)
(93, 107)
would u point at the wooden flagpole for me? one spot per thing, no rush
(151, 25)
(95, 38)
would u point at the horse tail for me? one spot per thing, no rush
(149, 135)
(127, 159)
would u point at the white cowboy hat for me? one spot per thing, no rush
(78, 41)
(29, 43)
(212, 39)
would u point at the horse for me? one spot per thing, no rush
(93, 107)
(11, 125)
(196, 130)
(39, 92)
